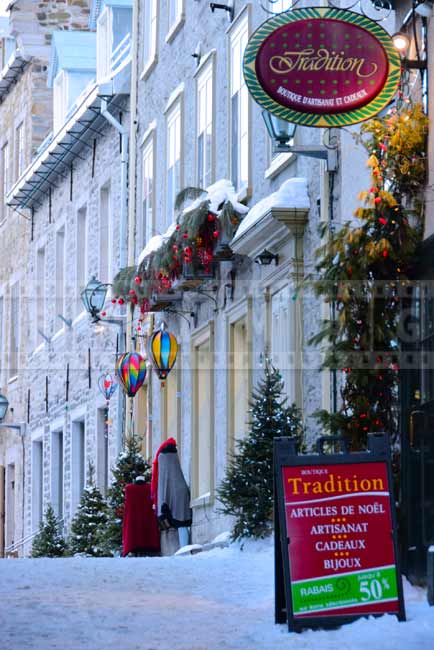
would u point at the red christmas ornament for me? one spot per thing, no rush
(382, 146)
(385, 253)
(211, 217)
(187, 250)
(103, 313)
(121, 301)
(382, 220)
(132, 292)
(113, 301)
(215, 234)
(175, 247)
(177, 227)
(137, 279)
(185, 235)
(377, 199)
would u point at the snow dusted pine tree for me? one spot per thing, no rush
(89, 521)
(48, 542)
(246, 493)
(130, 463)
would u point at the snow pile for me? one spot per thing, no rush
(219, 600)
(155, 243)
(291, 194)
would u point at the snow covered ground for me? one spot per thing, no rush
(222, 599)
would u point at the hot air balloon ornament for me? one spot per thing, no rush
(107, 386)
(131, 372)
(163, 348)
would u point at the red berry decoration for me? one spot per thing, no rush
(211, 217)
(103, 313)
(185, 235)
(377, 199)
(215, 234)
(132, 292)
(114, 301)
(121, 301)
(175, 247)
(385, 253)
(382, 220)
(177, 227)
(137, 279)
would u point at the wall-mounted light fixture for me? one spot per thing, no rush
(229, 7)
(93, 297)
(266, 257)
(282, 133)
(402, 42)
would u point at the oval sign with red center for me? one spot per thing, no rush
(322, 67)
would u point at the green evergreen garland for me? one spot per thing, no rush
(246, 492)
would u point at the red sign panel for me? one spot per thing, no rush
(321, 66)
(341, 550)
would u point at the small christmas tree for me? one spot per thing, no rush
(130, 463)
(247, 490)
(48, 542)
(89, 521)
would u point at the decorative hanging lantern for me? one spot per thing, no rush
(131, 372)
(107, 386)
(163, 348)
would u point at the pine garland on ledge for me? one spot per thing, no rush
(363, 272)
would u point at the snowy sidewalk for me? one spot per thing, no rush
(220, 600)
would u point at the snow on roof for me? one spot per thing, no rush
(218, 193)
(291, 194)
(155, 243)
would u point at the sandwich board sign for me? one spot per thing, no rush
(336, 555)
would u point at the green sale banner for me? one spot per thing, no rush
(344, 590)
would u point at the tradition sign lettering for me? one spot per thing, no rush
(338, 537)
(321, 67)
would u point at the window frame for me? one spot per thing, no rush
(199, 338)
(174, 110)
(178, 20)
(20, 149)
(5, 155)
(205, 72)
(149, 63)
(147, 230)
(14, 331)
(235, 33)
(104, 47)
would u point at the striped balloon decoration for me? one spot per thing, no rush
(163, 348)
(131, 372)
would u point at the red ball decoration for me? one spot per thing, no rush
(132, 292)
(137, 279)
(114, 301)
(211, 217)
(385, 253)
(377, 199)
(103, 313)
(177, 227)
(382, 220)
(215, 234)
(121, 301)
(185, 235)
(175, 247)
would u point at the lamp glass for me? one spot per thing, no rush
(93, 296)
(4, 404)
(401, 42)
(278, 129)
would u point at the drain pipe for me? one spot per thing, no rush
(124, 132)
(123, 243)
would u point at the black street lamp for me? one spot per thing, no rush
(4, 404)
(93, 297)
(266, 257)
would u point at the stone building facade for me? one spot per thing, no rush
(191, 90)
(70, 193)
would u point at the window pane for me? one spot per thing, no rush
(150, 35)
(239, 109)
(147, 194)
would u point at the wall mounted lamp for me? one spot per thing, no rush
(402, 42)
(266, 257)
(229, 7)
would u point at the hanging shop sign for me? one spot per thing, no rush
(322, 67)
(338, 547)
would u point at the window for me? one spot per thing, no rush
(173, 160)
(60, 274)
(148, 226)
(20, 152)
(277, 6)
(150, 34)
(10, 505)
(105, 243)
(203, 416)
(176, 17)
(205, 108)
(142, 420)
(238, 380)
(14, 340)
(4, 178)
(57, 473)
(81, 259)
(78, 448)
(40, 295)
(239, 108)
(282, 334)
(60, 100)
(37, 483)
(102, 459)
